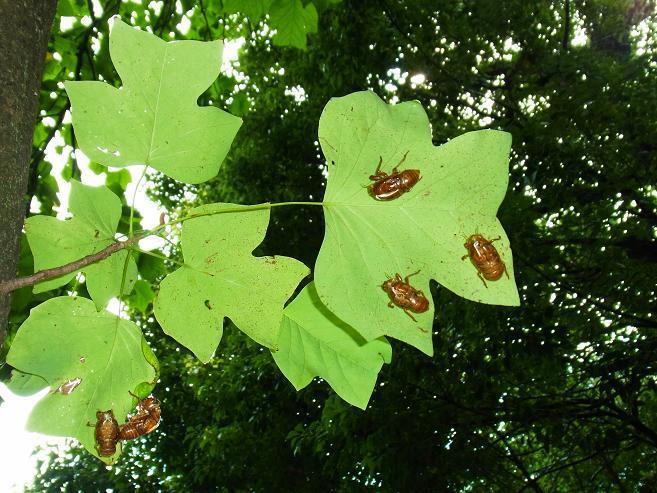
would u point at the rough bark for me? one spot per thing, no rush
(24, 32)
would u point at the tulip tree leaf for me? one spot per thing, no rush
(142, 297)
(65, 339)
(314, 342)
(367, 241)
(253, 9)
(96, 214)
(154, 119)
(220, 278)
(292, 22)
(25, 384)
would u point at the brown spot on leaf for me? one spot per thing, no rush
(69, 386)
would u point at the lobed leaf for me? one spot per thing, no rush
(154, 119)
(253, 9)
(65, 339)
(142, 297)
(96, 214)
(314, 342)
(368, 241)
(293, 22)
(221, 278)
(25, 384)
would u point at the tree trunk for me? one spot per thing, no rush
(24, 32)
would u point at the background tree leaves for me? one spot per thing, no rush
(154, 119)
(293, 21)
(252, 9)
(220, 278)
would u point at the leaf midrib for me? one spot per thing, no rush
(157, 105)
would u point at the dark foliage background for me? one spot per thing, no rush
(558, 395)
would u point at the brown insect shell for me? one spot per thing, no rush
(137, 427)
(485, 257)
(128, 432)
(145, 420)
(107, 433)
(404, 295)
(389, 187)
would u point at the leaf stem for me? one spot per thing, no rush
(134, 198)
(46, 274)
(157, 255)
(240, 208)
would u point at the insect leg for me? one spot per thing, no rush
(506, 272)
(482, 278)
(390, 304)
(378, 167)
(394, 170)
(414, 273)
(409, 314)
(398, 277)
(494, 239)
(465, 256)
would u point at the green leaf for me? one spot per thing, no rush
(240, 104)
(314, 342)
(25, 384)
(367, 241)
(154, 119)
(21, 297)
(150, 266)
(97, 168)
(72, 8)
(142, 296)
(221, 278)
(253, 9)
(118, 180)
(96, 213)
(65, 339)
(323, 5)
(292, 22)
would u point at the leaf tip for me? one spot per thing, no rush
(360, 405)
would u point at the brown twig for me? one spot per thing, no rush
(44, 275)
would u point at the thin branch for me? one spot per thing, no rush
(636, 320)
(44, 275)
(530, 482)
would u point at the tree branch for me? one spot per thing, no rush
(44, 275)
(636, 320)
